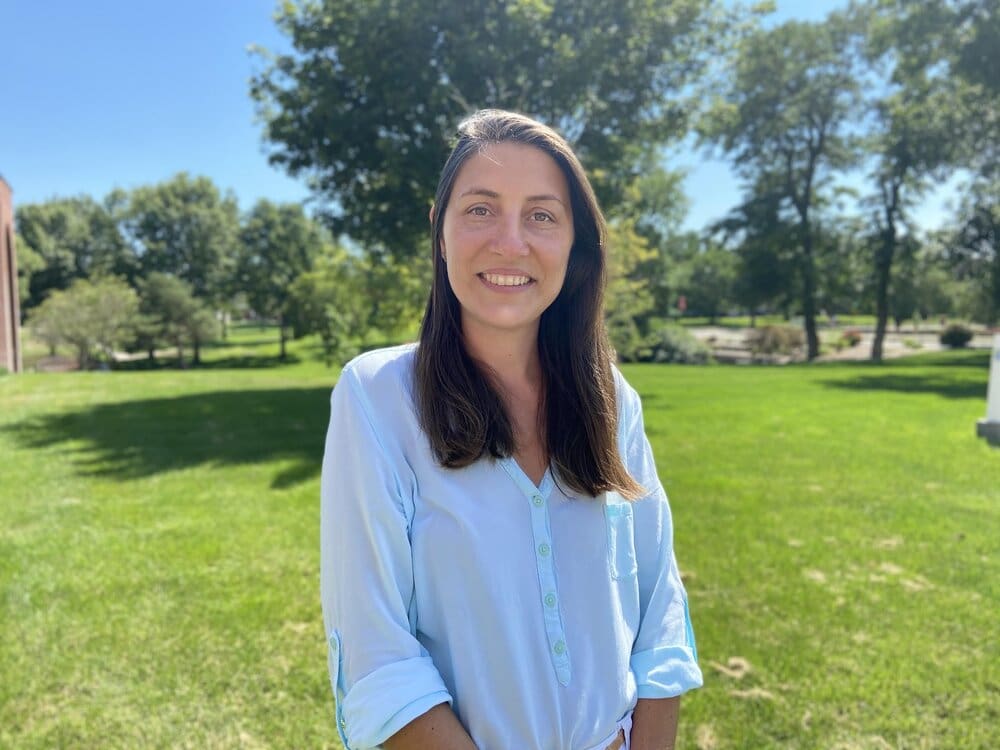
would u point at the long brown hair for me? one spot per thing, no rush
(460, 408)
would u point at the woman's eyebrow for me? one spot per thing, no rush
(494, 194)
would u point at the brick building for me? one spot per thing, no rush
(10, 304)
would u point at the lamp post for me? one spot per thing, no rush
(989, 428)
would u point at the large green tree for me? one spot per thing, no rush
(782, 115)
(184, 226)
(74, 238)
(366, 105)
(952, 48)
(278, 242)
(914, 118)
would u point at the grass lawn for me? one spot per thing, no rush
(838, 527)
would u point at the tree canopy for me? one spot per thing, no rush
(367, 105)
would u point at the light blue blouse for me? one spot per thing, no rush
(540, 616)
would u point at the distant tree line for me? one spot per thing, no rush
(903, 93)
(168, 265)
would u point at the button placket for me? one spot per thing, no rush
(544, 563)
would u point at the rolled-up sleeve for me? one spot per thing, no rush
(664, 658)
(382, 677)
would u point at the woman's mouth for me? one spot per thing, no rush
(503, 279)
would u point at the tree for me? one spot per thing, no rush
(914, 118)
(628, 298)
(395, 291)
(329, 300)
(277, 244)
(367, 104)
(710, 282)
(952, 46)
(29, 262)
(764, 243)
(783, 116)
(184, 227)
(975, 247)
(172, 314)
(90, 316)
(76, 238)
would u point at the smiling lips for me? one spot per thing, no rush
(503, 279)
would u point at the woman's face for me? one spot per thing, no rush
(506, 239)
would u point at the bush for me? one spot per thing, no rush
(625, 339)
(956, 336)
(776, 340)
(671, 343)
(851, 337)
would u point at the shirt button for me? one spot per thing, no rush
(550, 600)
(559, 648)
(537, 500)
(543, 549)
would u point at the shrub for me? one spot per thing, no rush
(956, 336)
(671, 343)
(851, 337)
(776, 340)
(625, 338)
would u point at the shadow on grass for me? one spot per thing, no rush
(136, 439)
(242, 361)
(977, 359)
(919, 374)
(949, 387)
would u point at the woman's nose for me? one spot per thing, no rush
(510, 238)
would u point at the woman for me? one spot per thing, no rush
(497, 560)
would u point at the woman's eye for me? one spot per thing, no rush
(479, 211)
(541, 216)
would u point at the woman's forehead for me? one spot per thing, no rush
(511, 169)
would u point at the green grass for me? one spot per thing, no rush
(838, 527)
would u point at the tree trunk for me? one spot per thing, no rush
(225, 325)
(883, 271)
(281, 335)
(180, 356)
(809, 294)
(881, 306)
(196, 359)
(151, 354)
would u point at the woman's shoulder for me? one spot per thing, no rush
(380, 382)
(378, 369)
(626, 396)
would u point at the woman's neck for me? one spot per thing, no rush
(512, 356)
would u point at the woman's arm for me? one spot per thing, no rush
(438, 729)
(654, 723)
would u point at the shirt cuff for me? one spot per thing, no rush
(665, 671)
(383, 702)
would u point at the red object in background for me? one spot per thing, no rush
(682, 303)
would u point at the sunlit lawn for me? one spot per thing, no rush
(838, 527)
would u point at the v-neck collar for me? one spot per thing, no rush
(524, 483)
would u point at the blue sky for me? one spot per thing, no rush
(116, 93)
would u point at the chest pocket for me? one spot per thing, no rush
(621, 536)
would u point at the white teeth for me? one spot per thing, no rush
(506, 280)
